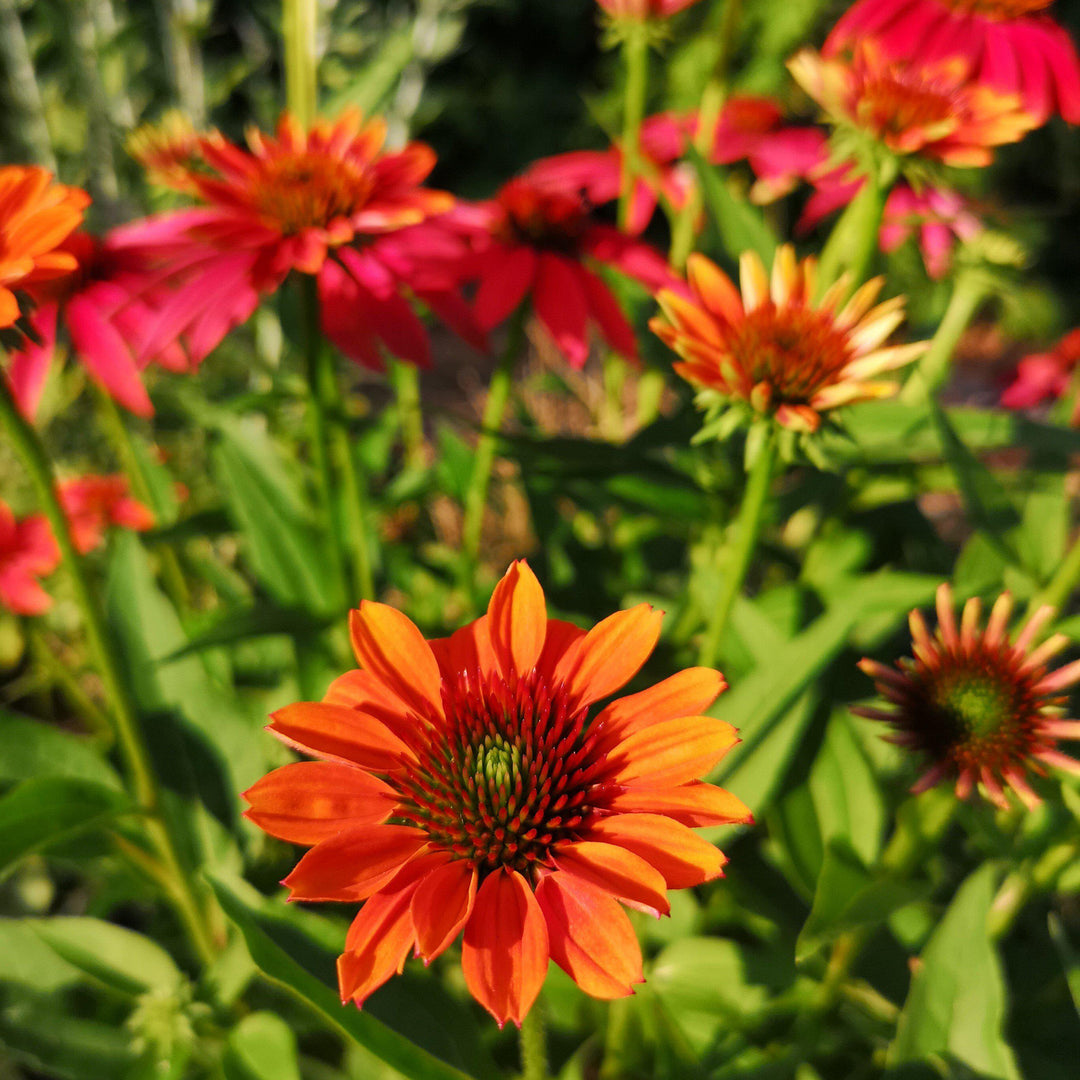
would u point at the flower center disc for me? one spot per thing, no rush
(552, 220)
(975, 706)
(795, 350)
(899, 101)
(510, 775)
(301, 191)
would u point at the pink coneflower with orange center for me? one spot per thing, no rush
(983, 710)
(1011, 45)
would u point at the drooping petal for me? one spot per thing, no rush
(310, 801)
(615, 870)
(441, 906)
(683, 857)
(504, 954)
(354, 865)
(591, 938)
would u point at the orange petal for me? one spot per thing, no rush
(591, 938)
(715, 288)
(310, 801)
(610, 654)
(340, 734)
(388, 643)
(672, 751)
(696, 804)
(561, 637)
(365, 692)
(685, 694)
(504, 955)
(376, 946)
(517, 617)
(354, 865)
(683, 857)
(467, 649)
(442, 905)
(615, 870)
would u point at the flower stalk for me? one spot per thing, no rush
(533, 1042)
(490, 425)
(299, 21)
(28, 446)
(636, 60)
(740, 554)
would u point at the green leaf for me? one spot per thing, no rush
(122, 959)
(44, 810)
(262, 1047)
(63, 1047)
(848, 896)
(36, 748)
(282, 968)
(956, 1004)
(239, 625)
(284, 545)
(29, 962)
(742, 227)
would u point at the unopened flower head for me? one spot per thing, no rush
(983, 710)
(770, 349)
(465, 789)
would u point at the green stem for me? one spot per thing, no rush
(1057, 593)
(322, 399)
(405, 378)
(969, 291)
(124, 449)
(533, 1039)
(298, 24)
(136, 758)
(854, 238)
(490, 425)
(712, 103)
(745, 541)
(356, 509)
(636, 59)
(63, 676)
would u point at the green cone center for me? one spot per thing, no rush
(497, 761)
(976, 706)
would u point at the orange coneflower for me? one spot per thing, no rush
(913, 106)
(465, 789)
(36, 216)
(775, 350)
(981, 708)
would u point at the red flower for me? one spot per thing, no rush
(463, 789)
(1008, 44)
(981, 709)
(27, 552)
(542, 243)
(913, 105)
(940, 216)
(106, 304)
(1045, 376)
(329, 202)
(748, 127)
(36, 216)
(92, 503)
